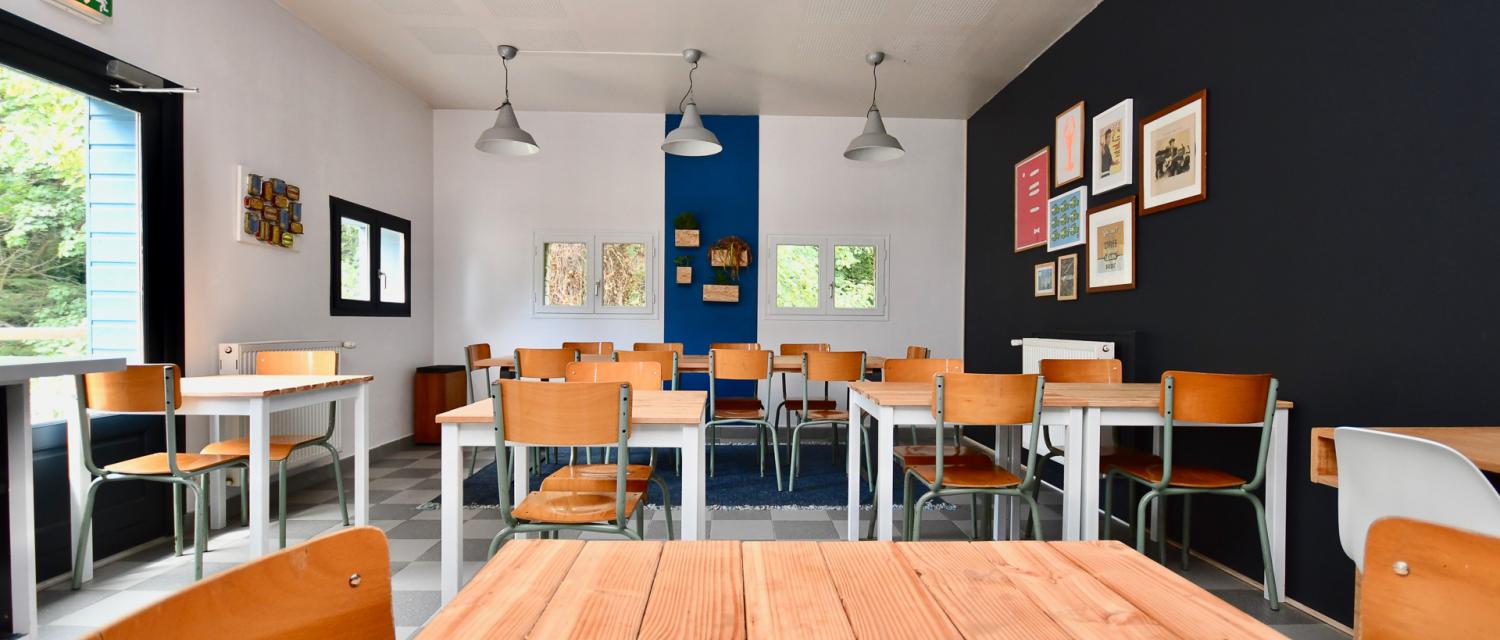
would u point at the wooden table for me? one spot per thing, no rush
(689, 363)
(733, 590)
(667, 419)
(1481, 445)
(1083, 409)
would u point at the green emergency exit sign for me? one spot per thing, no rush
(93, 10)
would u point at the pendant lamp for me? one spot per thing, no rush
(690, 138)
(874, 144)
(507, 137)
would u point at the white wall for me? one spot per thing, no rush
(596, 172)
(283, 101)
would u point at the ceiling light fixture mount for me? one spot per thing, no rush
(690, 138)
(874, 144)
(507, 137)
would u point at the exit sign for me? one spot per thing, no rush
(99, 11)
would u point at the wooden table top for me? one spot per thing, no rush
(1481, 445)
(734, 590)
(689, 363)
(253, 386)
(646, 407)
(1055, 394)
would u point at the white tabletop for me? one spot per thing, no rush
(15, 369)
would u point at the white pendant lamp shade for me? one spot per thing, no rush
(690, 138)
(874, 144)
(507, 137)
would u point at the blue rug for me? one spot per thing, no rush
(736, 484)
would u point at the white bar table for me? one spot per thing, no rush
(661, 419)
(16, 375)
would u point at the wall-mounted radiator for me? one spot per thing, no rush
(1034, 350)
(239, 358)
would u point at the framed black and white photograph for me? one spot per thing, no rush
(1173, 153)
(1044, 281)
(1113, 150)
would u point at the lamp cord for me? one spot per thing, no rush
(875, 89)
(685, 96)
(505, 63)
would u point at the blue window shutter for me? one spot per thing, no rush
(113, 229)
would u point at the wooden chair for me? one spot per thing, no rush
(1425, 580)
(978, 399)
(797, 349)
(658, 346)
(145, 388)
(640, 375)
(1107, 371)
(591, 348)
(668, 360)
(290, 363)
(915, 352)
(734, 346)
(740, 364)
(924, 370)
(544, 364)
(576, 414)
(1213, 398)
(825, 367)
(334, 586)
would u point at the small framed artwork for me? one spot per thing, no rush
(1111, 251)
(1044, 283)
(1068, 144)
(1173, 155)
(1067, 277)
(1113, 149)
(1065, 219)
(1031, 201)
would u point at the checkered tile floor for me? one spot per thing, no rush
(407, 478)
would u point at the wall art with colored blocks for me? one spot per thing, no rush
(270, 211)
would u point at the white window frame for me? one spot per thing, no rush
(825, 309)
(594, 306)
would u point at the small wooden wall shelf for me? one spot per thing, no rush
(684, 275)
(686, 238)
(721, 293)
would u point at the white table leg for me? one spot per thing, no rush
(884, 451)
(521, 479)
(1088, 474)
(362, 455)
(260, 475)
(78, 490)
(1072, 512)
(1276, 481)
(217, 496)
(692, 491)
(702, 479)
(852, 470)
(451, 511)
(22, 513)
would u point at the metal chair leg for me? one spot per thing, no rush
(338, 476)
(200, 527)
(83, 533)
(666, 501)
(1187, 527)
(281, 500)
(505, 534)
(775, 456)
(1140, 521)
(796, 445)
(916, 521)
(1159, 527)
(473, 462)
(245, 495)
(1265, 550)
(1109, 503)
(640, 520)
(176, 519)
(1036, 517)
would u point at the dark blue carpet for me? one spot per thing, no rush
(736, 484)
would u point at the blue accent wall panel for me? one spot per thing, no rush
(724, 191)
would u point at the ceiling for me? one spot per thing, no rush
(945, 58)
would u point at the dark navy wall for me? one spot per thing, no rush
(724, 191)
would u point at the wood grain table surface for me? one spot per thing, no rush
(1481, 445)
(688, 363)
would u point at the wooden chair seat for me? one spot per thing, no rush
(281, 446)
(155, 464)
(969, 476)
(1183, 475)
(597, 478)
(573, 507)
(739, 408)
(823, 414)
(919, 454)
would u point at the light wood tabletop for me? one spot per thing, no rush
(693, 363)
(729, 589)
(1059, 394)
(1481, 445)
(646, 407)
(252, 386)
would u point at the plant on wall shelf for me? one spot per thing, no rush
(724, 288)
(685, 221)
(684, 269)
(723, 277)
(686, 226)
(732, 253)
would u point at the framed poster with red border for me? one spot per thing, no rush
(1032, 185)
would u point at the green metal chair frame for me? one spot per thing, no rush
(1162, 489)
(796, 442)
(763, 426)
(537, 453)
(935, 490)
(469, 388)
(515, 526)
(178, 478)
(676, 457)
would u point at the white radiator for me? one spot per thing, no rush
(239, 358)
(1035, 350)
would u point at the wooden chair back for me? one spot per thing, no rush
(297, 363)
(735, 346)
(834, 366)
(988, 398)
(591, 348)
(915, 352)
(739, 364)
(333, 586)
(642, 376)
(544, 363)
(474, 353)
(1103, 371)
(919, 369)
(659, 346)
(799, 348)
(1222, 398)
(140, 388)
(667, 360)
(1424, 580)
(563, 415)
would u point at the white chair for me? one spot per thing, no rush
(1383, 474)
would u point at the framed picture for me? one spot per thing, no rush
(1111, 251)
(1173, 153)
(1044, 283)
(1031, 201)
(1113, 150)
(1067, 142)
(1067, 277)
(1065, 219)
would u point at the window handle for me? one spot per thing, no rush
(599, 289)
(830, 291)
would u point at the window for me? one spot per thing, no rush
(816, 276)
(585, 274)
(370, 262)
